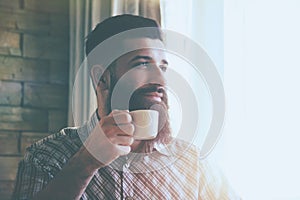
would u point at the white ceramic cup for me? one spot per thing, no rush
(145, 124)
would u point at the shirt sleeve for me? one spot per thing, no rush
(30, 179)
(213, 184)
(43, 160)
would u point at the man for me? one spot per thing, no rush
(101, 159)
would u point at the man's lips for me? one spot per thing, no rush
(156, 96)
(152, 92)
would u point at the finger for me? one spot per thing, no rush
(118, 111)
(122, 117)
(125, 129)
(123, 150)
(112, 131)
(122, 140)
(121, 129)
(115, 111)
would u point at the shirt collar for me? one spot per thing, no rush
(163, 149)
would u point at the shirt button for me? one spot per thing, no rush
(129, 198)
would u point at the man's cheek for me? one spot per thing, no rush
(140, 74)
(137, 79)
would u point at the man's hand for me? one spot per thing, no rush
(111, 138)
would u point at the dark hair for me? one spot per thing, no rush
(120, 23)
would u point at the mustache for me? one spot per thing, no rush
(151, 88)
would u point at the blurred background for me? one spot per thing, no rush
(254, 44)
(34, 75)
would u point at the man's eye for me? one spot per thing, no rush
(163, 68)
(141, 64)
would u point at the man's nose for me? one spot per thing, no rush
(156, 74)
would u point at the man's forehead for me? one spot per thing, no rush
(143, 43)
(154, 48)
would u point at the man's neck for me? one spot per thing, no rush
(137, 146)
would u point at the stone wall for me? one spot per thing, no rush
(34, 55)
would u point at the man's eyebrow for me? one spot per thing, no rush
(146, 58)
(140, 57)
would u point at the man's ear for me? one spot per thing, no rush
(101, 77)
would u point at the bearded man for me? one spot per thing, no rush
(102, 159)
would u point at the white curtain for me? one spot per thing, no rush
(201, 21)
(84, 16)
(261, 150)
(146, 8)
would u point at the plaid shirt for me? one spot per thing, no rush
(171, 172)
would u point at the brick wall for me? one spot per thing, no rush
(34, 53)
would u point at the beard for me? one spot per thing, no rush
(139, 101)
